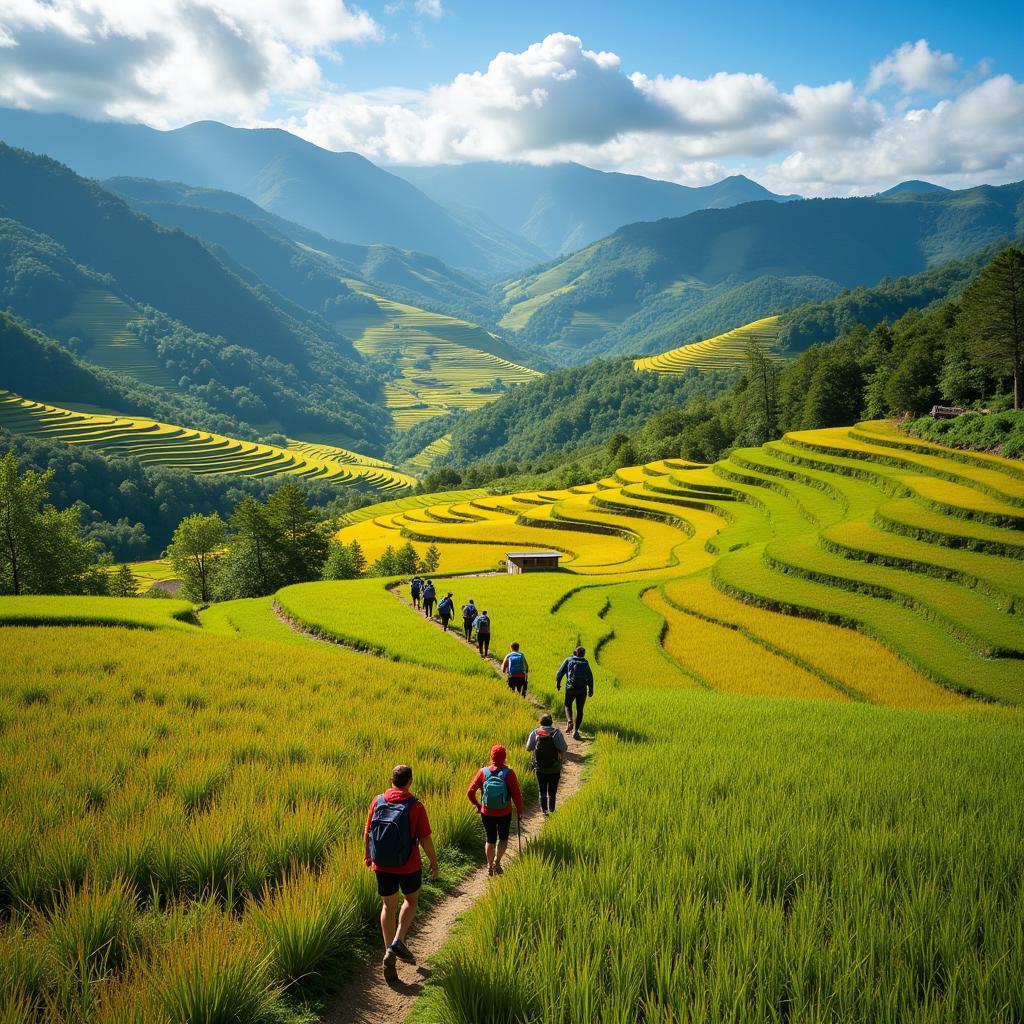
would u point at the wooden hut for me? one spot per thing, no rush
(531, 561)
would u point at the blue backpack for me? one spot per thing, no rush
(391, 841)
(429, 592)
(446, 608)
(516, 664)
(578, 675)
(496, 796)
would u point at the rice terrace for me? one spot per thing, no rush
(472, 554)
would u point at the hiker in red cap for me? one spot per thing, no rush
(499, 790)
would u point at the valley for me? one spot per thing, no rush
(733, 476)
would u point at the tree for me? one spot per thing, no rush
(124, 583)
(992, 312)
(431, 560)
(196, 551)
(764, 394)
(42, 550)
(344, 561)
(407, 561)
(302, 538)
(385, 565)
(249, 568)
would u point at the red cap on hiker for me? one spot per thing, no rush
(498, 755)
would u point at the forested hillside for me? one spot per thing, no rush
(647, 287)
(85, 268)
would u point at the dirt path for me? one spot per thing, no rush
(368, 998)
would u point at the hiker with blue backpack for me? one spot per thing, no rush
(396, 827)
(515, 669)
(548, 748)
(498, 790)
(445, 610)
(416, 589)
(429, 594)
(579, 684)
(482, 625)
(469, 614)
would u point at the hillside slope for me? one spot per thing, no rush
(644, 288)
(283, 252)
(81, 265)
(343, 195)
(564, 207)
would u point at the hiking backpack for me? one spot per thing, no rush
(496, 796)
(545, 753)
(483, 624)
(516, 664)
(578, 676)
(429, 592)
(469, 613)
(391, 841)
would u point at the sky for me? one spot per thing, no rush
(808, 98)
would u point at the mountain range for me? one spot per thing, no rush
(491, 219)
(651, 286)
(565, 207)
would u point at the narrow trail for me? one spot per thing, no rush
(368, 998)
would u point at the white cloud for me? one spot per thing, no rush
(915, 67)
(166, 62)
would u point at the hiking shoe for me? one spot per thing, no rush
(498, 869)
(490, 870)
(401, 950)
(388, 966)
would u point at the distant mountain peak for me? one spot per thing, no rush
(915, 186)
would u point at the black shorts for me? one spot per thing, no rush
(496, 828)
(388, 883)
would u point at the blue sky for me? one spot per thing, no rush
(789, 42)
(815, 99)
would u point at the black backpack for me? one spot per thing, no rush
(545, 754)
(578, 676)
(391, 841)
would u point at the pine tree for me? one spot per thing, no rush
(124, 584)
(992, 312)
(431, 560)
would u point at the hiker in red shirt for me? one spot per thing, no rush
(499, 791)
(396, 827)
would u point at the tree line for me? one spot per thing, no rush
(261, 547)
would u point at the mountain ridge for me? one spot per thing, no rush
(564, 207)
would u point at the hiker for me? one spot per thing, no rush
(396, 827)
(483, 633)
(515, 669)
(416, 588)
(548, 747)
(499, 791)
(429, 594)
(445, 610)
(579, 684)
(469, 614)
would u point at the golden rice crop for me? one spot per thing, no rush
(164, 773)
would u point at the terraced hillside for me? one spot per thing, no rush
(863, 565)
(752, 626)
(422, 461)
(102, 319)
(163, 444)
(724, 352)
(443, 363)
